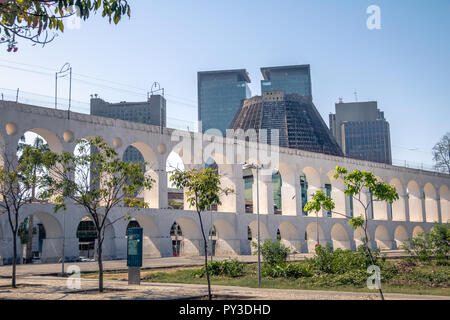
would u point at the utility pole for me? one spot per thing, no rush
(66, 70)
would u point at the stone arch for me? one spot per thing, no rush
(288, 192)
(382, 238)
(52, 243)
(358, 237)
(175, 197)
(191, 240)
(51, 138)
(415, 202)
(444, 194)
(339, 237)
(151, 169)
(225, 170)
(109, 246)
(227, 242)
(312, 184)
(338, 195)
(290, 237)
(151, 236)
(253, 228)
(400, 236)
(416, 231)
(431, 204)
(398, 206)
(311, 236)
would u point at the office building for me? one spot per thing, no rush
(362, 131)
(219, 97)
(152, 111)
(289, 79)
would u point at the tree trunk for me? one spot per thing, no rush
(205, 242)
(371, 256)
(100, 266)
(13, 277)
(29, 253)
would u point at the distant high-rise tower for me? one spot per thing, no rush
(362, 131)
(289, 79)
(219, 97)
(151, 112)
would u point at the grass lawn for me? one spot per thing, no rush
(421, 280)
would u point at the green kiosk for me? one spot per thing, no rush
(134, 255)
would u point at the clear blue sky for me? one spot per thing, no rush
(404, 66)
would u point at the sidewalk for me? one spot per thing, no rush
(53, 288)
(116, 265)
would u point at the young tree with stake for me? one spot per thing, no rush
(356, 182)
(98, 181)
(18, 179)
(202, 190)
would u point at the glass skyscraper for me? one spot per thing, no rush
(219, 97)
(289, 79)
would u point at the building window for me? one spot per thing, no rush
(328, 191)
(304, 192)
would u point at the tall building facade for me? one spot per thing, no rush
(151, 112)
(219, 97)
(362, 131)
(289, 79)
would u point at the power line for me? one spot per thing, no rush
(184, 101)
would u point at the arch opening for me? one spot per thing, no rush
(222, 239)
(151, 236)
(400, 236)
(314, 235)
(288, 235)
(340, 238)
(186, 238)
(42, 234)
(382, 238)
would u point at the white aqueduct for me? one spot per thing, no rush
(424, 196)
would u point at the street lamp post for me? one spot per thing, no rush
(257, 168)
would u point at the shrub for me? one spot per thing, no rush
(230, 268)
(287, 270)
(435, 244)
(273, 252)
(343, 261)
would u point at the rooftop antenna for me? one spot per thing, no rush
(341, 100)
(356, 96)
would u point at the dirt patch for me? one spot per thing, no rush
(123, 276)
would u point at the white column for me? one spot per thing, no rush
(233, 178)
(291, 198)
(265, 194)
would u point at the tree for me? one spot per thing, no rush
(39, 21)
(98, 181)
(356, 182)
(441, 154)
(17, 180)
(38, 169)
(202, 190)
